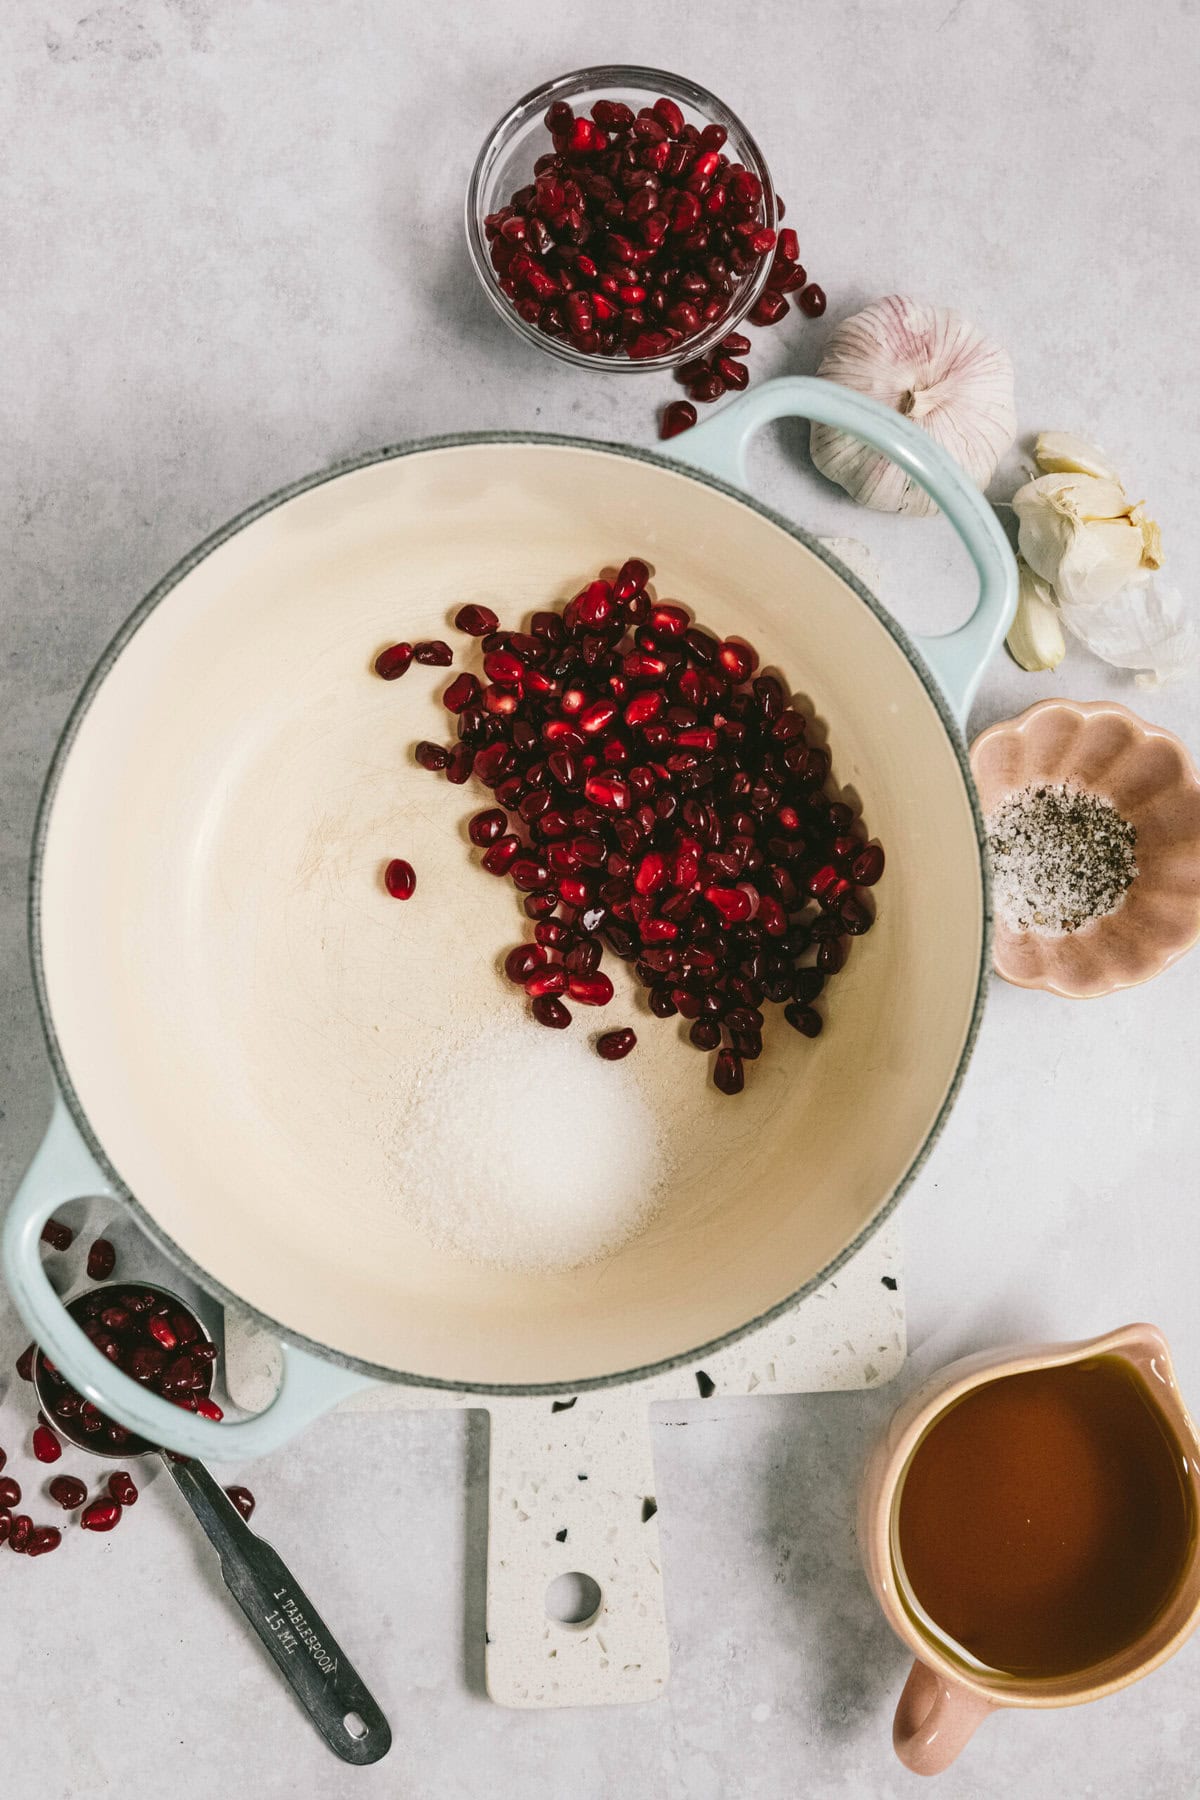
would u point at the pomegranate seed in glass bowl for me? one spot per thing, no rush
(683, 231)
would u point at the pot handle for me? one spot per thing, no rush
(957, 659)
(64, 1169)
(935, 1719)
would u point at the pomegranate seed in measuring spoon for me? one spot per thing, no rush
(57, 1235)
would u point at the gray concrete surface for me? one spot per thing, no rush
(231, 253)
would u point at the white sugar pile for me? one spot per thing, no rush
(521, 1148)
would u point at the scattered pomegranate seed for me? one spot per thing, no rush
(243, 1499)
(57, 1235)
(521, 962)
(431, 756)
(69, 1491)
(43, 1539)
(393, 661)
(679, 416)
(46, 1446)
(122, 1488)
(768, 309)
(400, 879)
(434, 653)
(3, 1456)
(101, 1261)
(590, 990)
(812, 300)
(805, 1019)
(20, 1533)
(10, 1491)
(616, 1044)
(461, 693)
(867, 866)
(476, 621)
(666, 806)
(100, 1515)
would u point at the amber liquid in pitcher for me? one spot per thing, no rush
(1044, 1520)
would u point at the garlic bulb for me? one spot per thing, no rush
(1035, 640)
(1084, 536)
(939, 371)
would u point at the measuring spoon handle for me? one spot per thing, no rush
(280, 1612)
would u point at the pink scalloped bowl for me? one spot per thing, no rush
(1149, 777)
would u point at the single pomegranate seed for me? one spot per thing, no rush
(728, 1075)
(499, 858)
(679, 416)
(705, 1034)
(487, 826)
(24, 1364)
(830, 956)
(393, 661)
(208, 1409)
(734, 374)
(551, 979)
(101, 1515)
(10, 1491)
(548, 1010)
(477, 621)
(867, 866)
(57, 1235)
(69, 1491)
(433, 652)
(738, 660)
(20, 1533)
(803, 1019)
(462, 760)
(733, 904)
(521, 962)
(595, 717)
(631, 579)
(768, 309)
(101, 1261)
(161, 1332)
(121, 1487)
(614, 1045)
(91, 1419)
(43, 1540)
(46, 1446)
(461, 693)
(590, 990)
(812, 300)
(3, 1456)
(856, 918)
(242, 1498)
(400, 879)
(607, 792)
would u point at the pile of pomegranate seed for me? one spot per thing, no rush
(669, 808)
(636, 235)
(144, 1325)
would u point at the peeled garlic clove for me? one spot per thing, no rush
(1036, 639)
(941, 372)
(1063, 452)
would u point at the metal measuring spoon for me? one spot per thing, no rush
(280, 1613)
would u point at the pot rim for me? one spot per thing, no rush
(109, 656)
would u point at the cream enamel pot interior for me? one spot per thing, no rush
(233, 1003)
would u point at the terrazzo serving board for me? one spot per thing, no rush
(571, 1480)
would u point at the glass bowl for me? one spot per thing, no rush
(506, 161)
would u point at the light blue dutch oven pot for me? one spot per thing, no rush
(237, 1016)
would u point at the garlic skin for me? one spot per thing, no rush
(1147, 627)
(939, 371)
(1081, 534)
(1035, 640)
